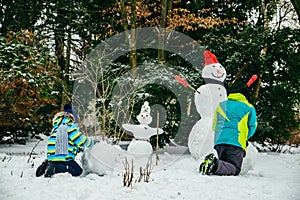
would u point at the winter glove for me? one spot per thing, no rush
(41, 169)
(96, 141)
(80, 149)
(247, 143)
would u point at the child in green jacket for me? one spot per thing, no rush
(235, 121)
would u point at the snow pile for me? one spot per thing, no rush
(101, 159)
(272, 176)
(250, 160)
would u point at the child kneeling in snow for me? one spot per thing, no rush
(63, 145)
(234, 123)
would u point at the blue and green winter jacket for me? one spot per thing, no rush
(235, 121)
(65, 138)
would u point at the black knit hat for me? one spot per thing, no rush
(245, 91)
(68, 108)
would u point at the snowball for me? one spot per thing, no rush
(101, 159)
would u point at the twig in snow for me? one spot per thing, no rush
(36, 144)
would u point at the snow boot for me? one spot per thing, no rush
(209, 165)
(41, 169)
(50, 170)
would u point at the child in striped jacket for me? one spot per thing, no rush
(64, 143)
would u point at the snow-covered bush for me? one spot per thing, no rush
(27, 85)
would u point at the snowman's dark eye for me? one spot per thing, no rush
(213, 66)
(146, 115)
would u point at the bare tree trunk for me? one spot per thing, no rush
(59, 52)
(263, 52)
(124, 17)
(66, 89)
(131, 36)
(132, 41)
(165, 7)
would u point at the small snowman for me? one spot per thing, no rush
(209, 95)
(104, 158)
(140, 145)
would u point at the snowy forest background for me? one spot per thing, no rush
(43, 44)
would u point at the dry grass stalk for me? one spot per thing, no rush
(144, 174)
(128, 175)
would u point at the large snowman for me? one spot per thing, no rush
(209, 95)
(140, 145)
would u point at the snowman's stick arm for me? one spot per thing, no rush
(183, 82)
(193, 89)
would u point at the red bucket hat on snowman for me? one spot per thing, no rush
(213, 71)
(209, 58)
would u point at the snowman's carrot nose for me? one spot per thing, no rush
(219, 72)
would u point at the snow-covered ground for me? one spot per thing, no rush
(273, 176)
